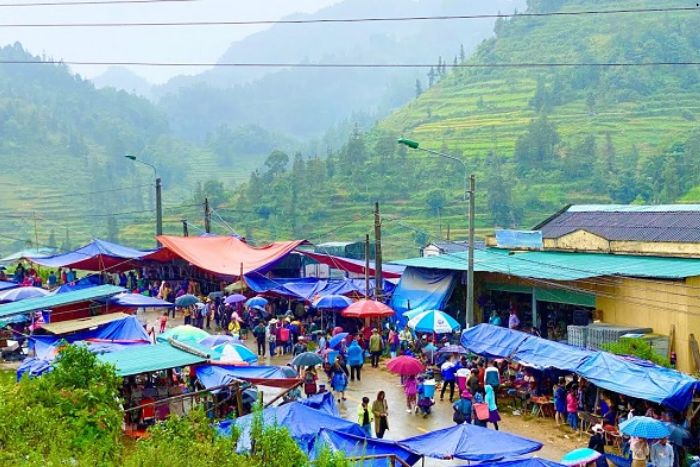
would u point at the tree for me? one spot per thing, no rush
(276, 164)
(419, 88)
(536, 147)
(580, 163)
(112, 229)
(431, 77)
(498, 193)
(590, 103)
(67, 245)
(215, 192)
(462, 54)
(436, 199)
(51, 242)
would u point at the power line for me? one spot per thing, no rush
(92, 3)
(354, 65)
(329, 20)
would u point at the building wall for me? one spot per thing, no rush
(586, 241)
(655, 304)
(579, 241)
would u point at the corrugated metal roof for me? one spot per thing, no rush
(562, 266)
(64, 327)
(651, 225)
(149, 358)
(52, 301)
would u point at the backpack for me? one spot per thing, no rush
(309, 378)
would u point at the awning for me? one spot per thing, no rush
(52, 301)
(134, 300)
(567, 297)
(272, 376)
(149, 358)
(310, 288)
(423, 290)
(355, 266)
(223, 255)
(8, 285)
(98, 255)
(65, 327)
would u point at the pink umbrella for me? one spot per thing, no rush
(368, 309)
(404, 365)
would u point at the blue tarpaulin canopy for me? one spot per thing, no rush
(8, 285)
(423, 289)
(218, 375)
(357, 447)
(471, 443)
(325, 402)
(138, 301)
(98, 255)
(643, 381)
(310, 288)
(633, 378)
(529, 462)
(303, 423)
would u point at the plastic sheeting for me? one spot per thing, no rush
(643, 381)
(357, 447)
(355, 266)
(325, 402)
(529, 462)
(139, 301)
(310, 288)
(213, 375)
(633, 378)
(423, 289)
(98, 255)
(303, 423)
(470, 442)
(8, 285)
(224, 256)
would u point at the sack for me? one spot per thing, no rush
(482, 411)
(458, 417)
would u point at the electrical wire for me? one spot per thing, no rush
(346, 20)
(92, 3)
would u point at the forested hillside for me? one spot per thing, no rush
(536, 137)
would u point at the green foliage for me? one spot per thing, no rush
(637, 347)
(71, 413)
(436, 200)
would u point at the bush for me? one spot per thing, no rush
(637, 347)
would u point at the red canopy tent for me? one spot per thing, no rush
(389, 271)
(225, 256)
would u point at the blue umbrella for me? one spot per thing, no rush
(678, 433)
(235, 298)
(332, 302)
(218, 339)
(307, 359)
(453, 349)
(186, 300)
(644, 427)
(22, 293)
(233, 353)
(337, 339)
(256, 302)
(580, 456)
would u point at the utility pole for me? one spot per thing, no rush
(378, 283)
(207, 216)
(159, 210)
(470, 256)
(185, 231)
(366, 266)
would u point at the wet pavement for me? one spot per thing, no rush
(557, 440)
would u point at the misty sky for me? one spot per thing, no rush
(187, 44)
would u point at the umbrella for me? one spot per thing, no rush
(256, 302)
(368, 309)
(453, 349)
(580, 456)
(288, 372)
(433, 321)
(404, 365)
(332, 302)
(235, 298)
(337, 330)
(186, 300)
(233, 353)
(644, 427)
(22, 293)
(183, 333)
(214, 295)
(409, 314)
(307, 359)
(337, 339)
(678, 433)
(218, 339)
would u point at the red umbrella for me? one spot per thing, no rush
(368, 309)
(404, 366)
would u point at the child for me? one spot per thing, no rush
(572, 408)
(411, 390)
(425, 400)
(163, 321)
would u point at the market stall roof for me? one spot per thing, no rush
(311, 288)
(28, 253)
(528, 462)
(356, 266)
(470, 442)
(215, 375)
(138, 301)
(4, 285)
(223, 255)
(65, 327)
(358, 447)
(561, 266)
(149, 358)
(98, 255)
(53, 301)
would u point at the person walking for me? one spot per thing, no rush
(339, 378)
(365, 417)
(310, 378)
(356, 358)
(662, 453)
(163, 321)
(271, 334)
(463, 408)
(490, 399)
(572, 408)
(259, 334)
(447, 370)
(560, 402)
(492, 377)
(380, 410)
(473, 381)
(394, 342)
(376, 345)
(640, 451)
(410, 388)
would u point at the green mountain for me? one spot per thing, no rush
(537, 138)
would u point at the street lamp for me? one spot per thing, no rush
(159, 205)
(468, 194)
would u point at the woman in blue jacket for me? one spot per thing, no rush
(355, 359)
